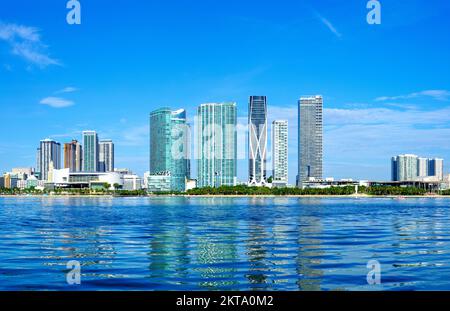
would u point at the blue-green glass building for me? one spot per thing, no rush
(217, 145)
(90, 151)
(169, 146)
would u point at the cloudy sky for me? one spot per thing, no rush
(386, 87)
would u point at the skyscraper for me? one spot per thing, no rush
(310, 138)
(217, 145)
(169, 146)
(49, 152)
(422, 167)
(257, 140)
(90, 151)
(404, 167)
(280, 152)
(436, 168)
(106, 156)
(73, 156)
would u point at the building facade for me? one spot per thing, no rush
(49, 152)
(410, 167)
(280, 153)
(106, 156)
(436, 168)
(257, 140)
(90, 151)
(73, 156)
(169, 146)
(217, 145)
(310, 139)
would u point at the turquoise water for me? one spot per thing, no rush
(224, 243)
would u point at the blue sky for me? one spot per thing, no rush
(385, 87)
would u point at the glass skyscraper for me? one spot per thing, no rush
(49, 151)
(257, 140)
(169, 146)
(217, 145)
(310, 139)
(90, 151)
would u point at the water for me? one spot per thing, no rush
(224, 243)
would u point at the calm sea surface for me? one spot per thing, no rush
(224, 243)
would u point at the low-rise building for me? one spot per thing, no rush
(159, 183)
(64, 178)
(131, 182)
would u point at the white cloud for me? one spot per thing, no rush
(26, 42)
(441, 95)
(56, 102)
(330, 26)
(69, 89)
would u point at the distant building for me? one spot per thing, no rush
(64, 178)
(90, 151)
(280, 153)
(73, 156)
(106, 156)
(410, 167)
(23, 172)
(2, 182)
(132, 182)
(10, 181)
(217, 145)
(48, 152)
(257, 140)
(436, 168)
(170, 146)
(310, 139)
(159, 183)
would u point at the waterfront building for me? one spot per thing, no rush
(310, 139)
(257, 140)
(170, 146)
(280, 153)
(48, 152)
(159, 183)
(410, 167)
(64, 178)
(73, 156)
(405, 167)
(422, 167)
(2, 182)
(90, 151)
(106, 156)
(22, 172)
(132, 182)
(217, 145)
(436, 168)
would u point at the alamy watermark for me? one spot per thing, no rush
(374, 275)
(73, 277)
(374, 15)
(74, 15)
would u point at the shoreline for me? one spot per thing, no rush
(152, 196)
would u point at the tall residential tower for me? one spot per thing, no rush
(280, 153)
(49, 156)
(73, 156)
(310, 139)
(106, 156)
(257, 140)
(90, 151)
(217, 145)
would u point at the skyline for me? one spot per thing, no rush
(377, 102)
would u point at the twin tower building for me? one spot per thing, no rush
(216, 143)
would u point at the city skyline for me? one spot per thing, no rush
(378, 102)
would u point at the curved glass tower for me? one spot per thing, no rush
(257, 140)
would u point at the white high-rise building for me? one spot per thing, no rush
(404, 167)
(49, 152)
(106, 156)
(280, 153)
(422, 167)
